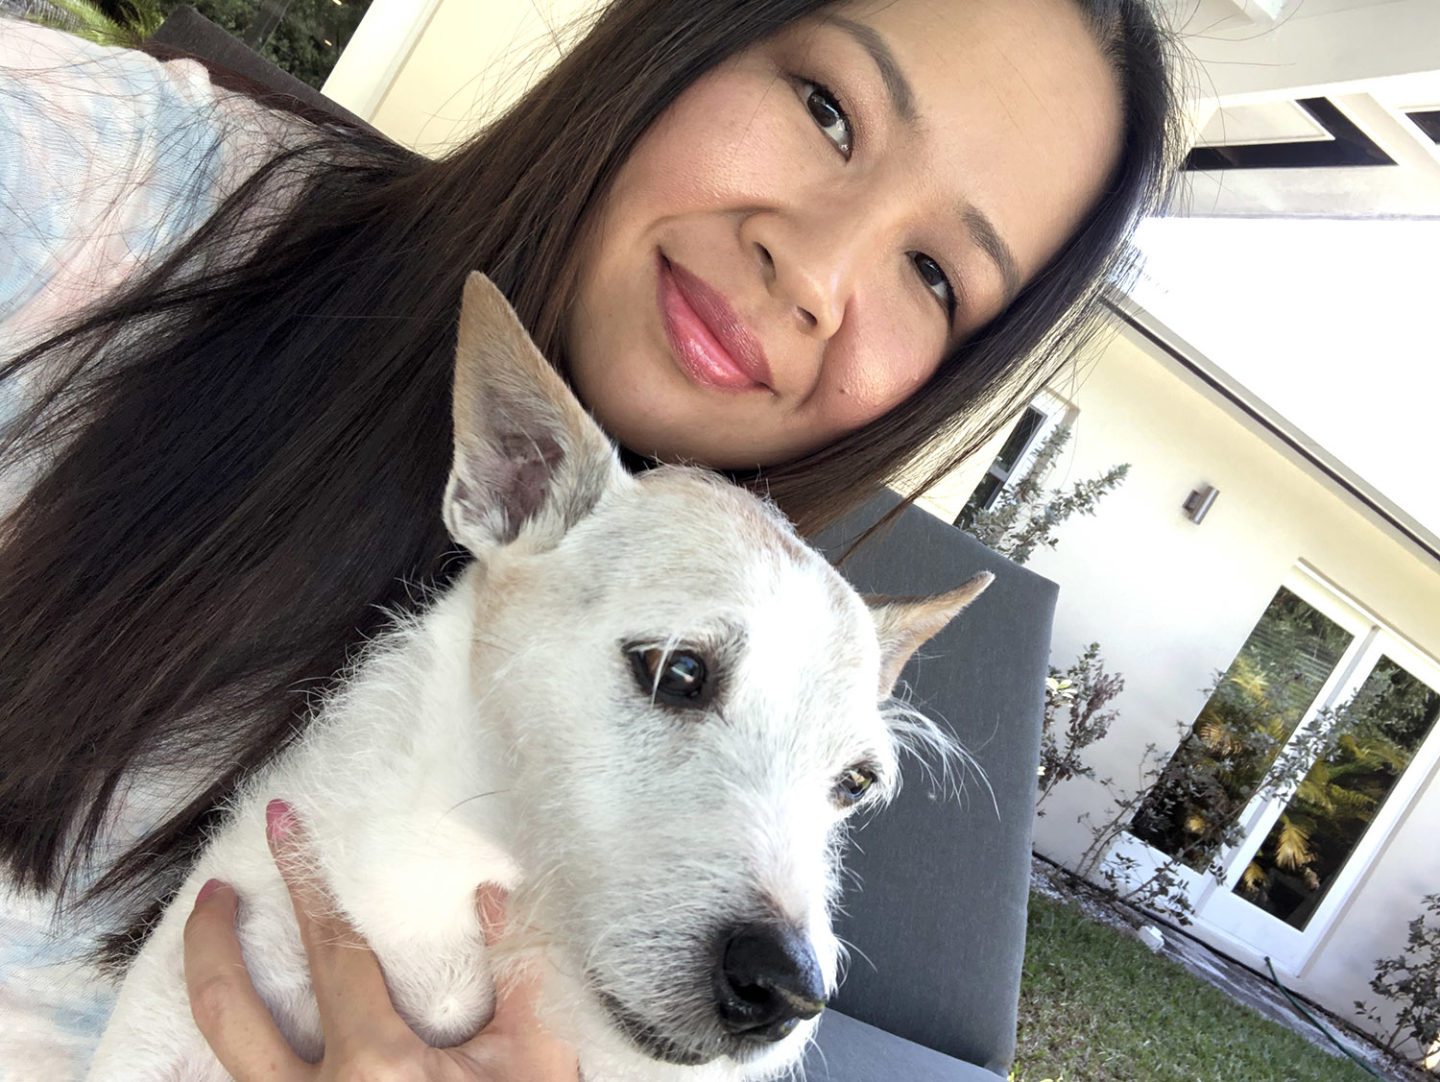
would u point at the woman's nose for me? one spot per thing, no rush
(811, 263)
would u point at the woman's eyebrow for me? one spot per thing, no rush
(902, 100)
(902, 97)
(988, 239)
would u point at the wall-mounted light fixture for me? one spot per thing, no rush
(1197, 504)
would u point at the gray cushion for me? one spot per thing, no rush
(848, 1050)
(937, 920)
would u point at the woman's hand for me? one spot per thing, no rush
(365, 1039)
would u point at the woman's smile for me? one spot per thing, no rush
(711, 343)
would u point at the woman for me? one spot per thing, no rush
(815, 246)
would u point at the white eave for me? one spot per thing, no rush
(1198, 371)
(1262, 12)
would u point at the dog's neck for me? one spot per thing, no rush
(419, 766)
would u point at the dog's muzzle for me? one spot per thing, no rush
(767, 982)
(649, 1039)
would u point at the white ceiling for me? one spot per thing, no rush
(1374, 60)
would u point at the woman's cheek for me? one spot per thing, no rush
(876, 384)
(771, 165)
(735, 134)
(895, 351)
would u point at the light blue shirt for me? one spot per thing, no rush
(108, 158)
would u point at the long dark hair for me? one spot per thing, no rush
(243, 454)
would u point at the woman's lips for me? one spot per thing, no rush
(712, 345)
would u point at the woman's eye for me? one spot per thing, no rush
(679, 678)
(825, 110)
(935, 281)
(852, 785)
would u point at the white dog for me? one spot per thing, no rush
(645, 708)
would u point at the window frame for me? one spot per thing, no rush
(1054, 411)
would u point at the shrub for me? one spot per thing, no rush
(1411, 981)
(1079, 695)
(1025, 515)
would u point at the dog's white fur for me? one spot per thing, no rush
(503, 737)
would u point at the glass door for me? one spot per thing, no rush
(1311, 847)
(1298, 657)
(1300, 762)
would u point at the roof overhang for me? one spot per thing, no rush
(1261, 11)
(1203, 374)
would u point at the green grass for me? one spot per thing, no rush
(1096, 1006)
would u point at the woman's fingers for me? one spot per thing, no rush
(355, 1006)
(364, 1036)
(226, 1008)
(490, 901)
(514, 996)
(514, 1044)
(515, 1017)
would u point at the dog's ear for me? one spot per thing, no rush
(904, 624)
(528, 459)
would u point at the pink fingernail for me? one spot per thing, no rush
(210, 887)
(279, 820)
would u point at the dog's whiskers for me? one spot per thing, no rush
(478, 796)
(852, 949)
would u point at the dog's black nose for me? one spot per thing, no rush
(767, 982)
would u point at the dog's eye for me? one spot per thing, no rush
(678, 678)
(853, 785)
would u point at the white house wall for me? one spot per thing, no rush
(429, 73)
(1171, 603)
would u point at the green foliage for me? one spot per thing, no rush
(1217, 769)
(1078, 696)
(1164, 888)
(310, 40)
(1244, 738)
(106, 22)
(1411, 982)
(1025, 515)
(298, 43)
(1371, 743)
(306, 42)
(232, 16)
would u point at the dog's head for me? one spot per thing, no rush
(696, 702)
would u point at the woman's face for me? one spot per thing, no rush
(806, 231)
